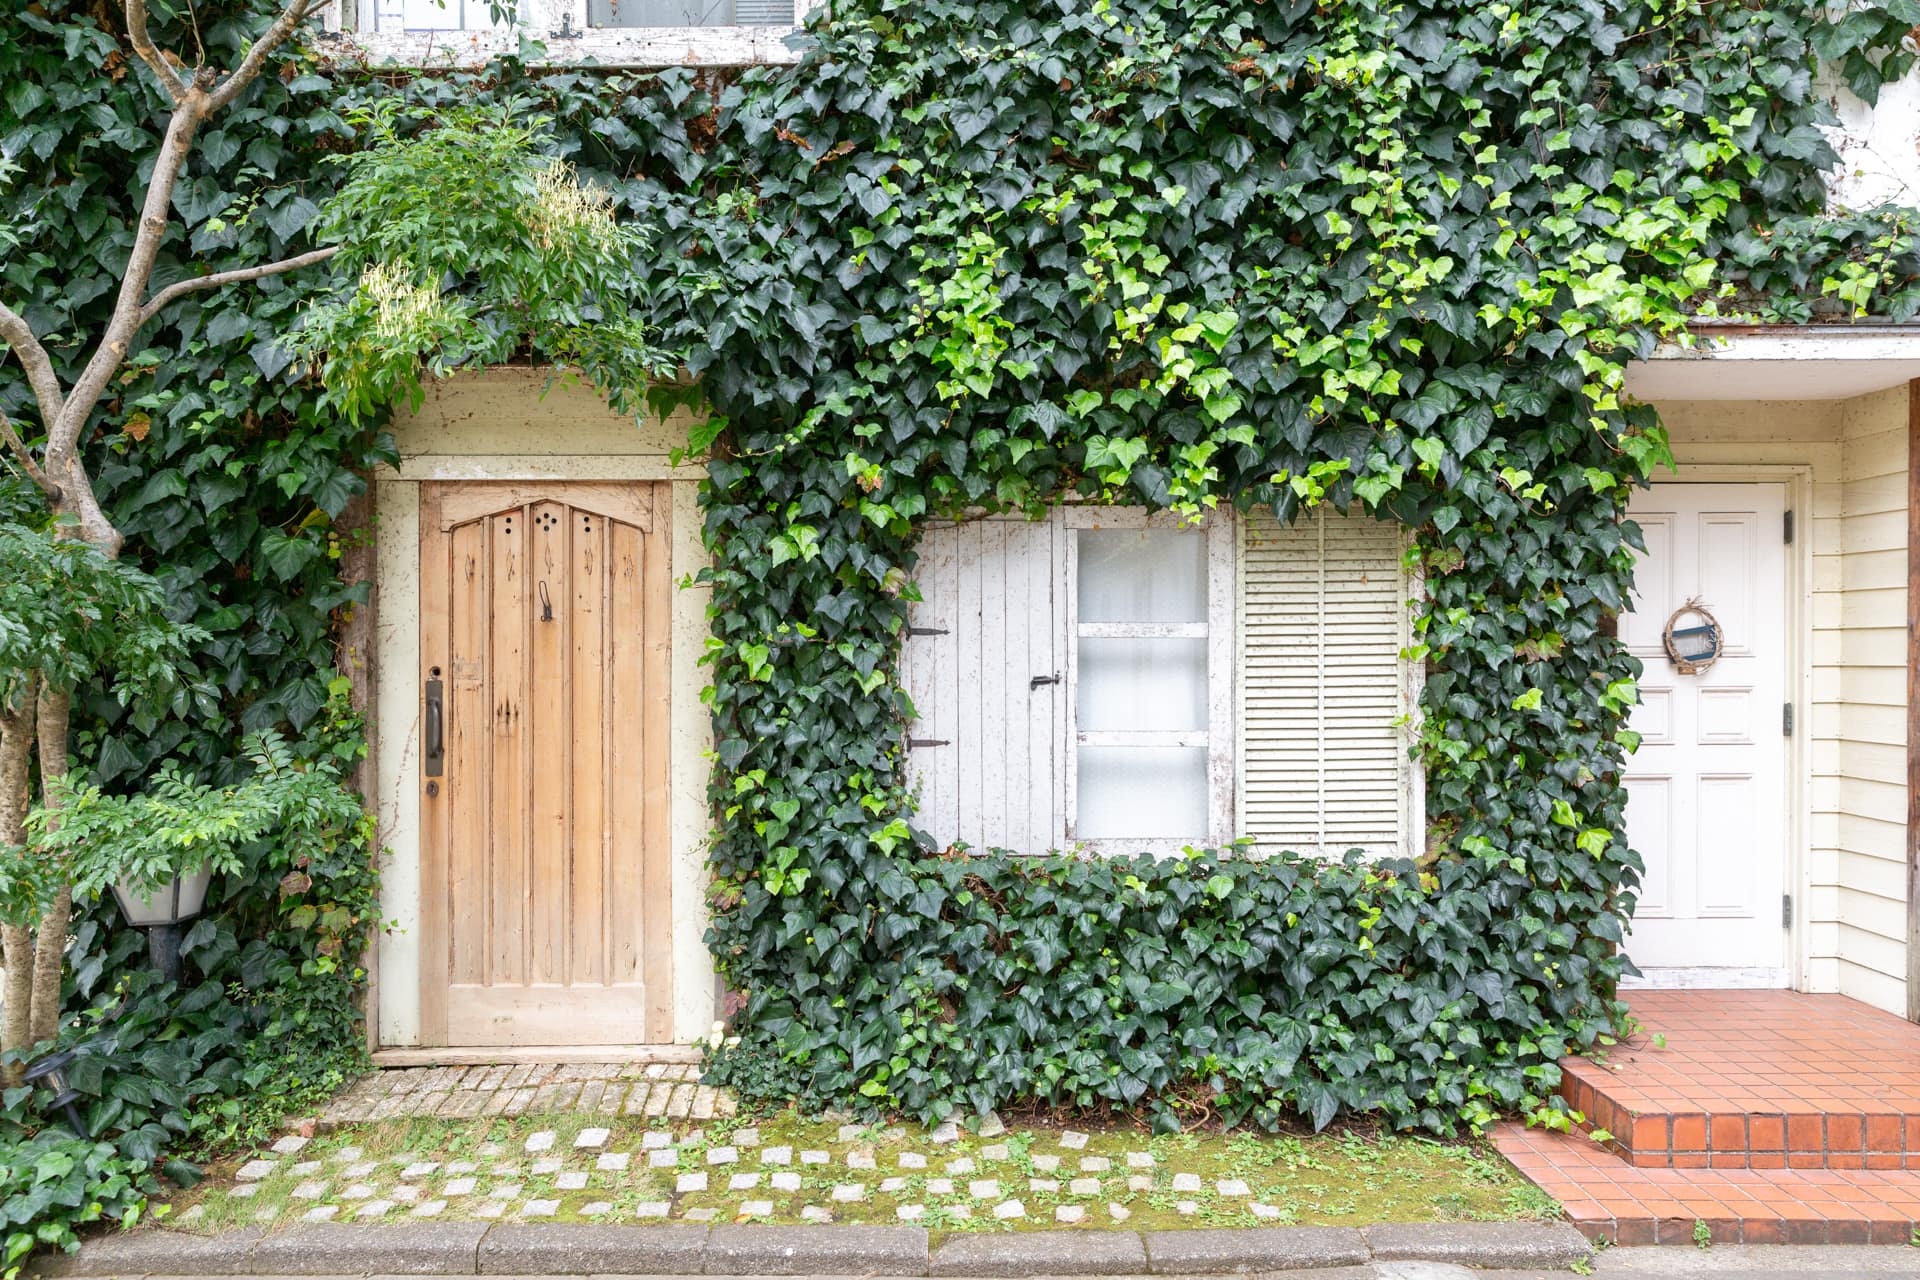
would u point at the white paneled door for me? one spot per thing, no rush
(1707, 803)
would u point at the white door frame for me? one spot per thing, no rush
(1798, 660)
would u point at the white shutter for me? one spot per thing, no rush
(1323, 621)
(984, 749)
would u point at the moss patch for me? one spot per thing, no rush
(483, 1168)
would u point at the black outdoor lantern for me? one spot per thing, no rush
(161, 909)
(50, 1073)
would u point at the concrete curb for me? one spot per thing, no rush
(551, 1248)
(139, 1252)
(1479, 1244)
(747, 1250)
(1041, 1253)
(1254, 1249)
(518, 1248)
(391, 1248)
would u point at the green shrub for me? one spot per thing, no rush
(52, 1183)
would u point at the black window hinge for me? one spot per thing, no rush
(927, 631)
(1786, 719)
(915, 743)
(1786, 911)
(1787, 527)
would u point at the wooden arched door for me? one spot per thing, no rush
(544, 877)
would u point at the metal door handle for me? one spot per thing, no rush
(436, 752)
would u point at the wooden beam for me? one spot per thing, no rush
(1913, 701)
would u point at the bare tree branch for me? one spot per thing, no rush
(38, 364)
(170, 79)
(24, 456)
(196, 284)
(63, 434)
(296, 12)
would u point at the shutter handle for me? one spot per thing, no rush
(1037, 681)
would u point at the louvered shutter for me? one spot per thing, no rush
(985, 747)
(1323, 620)
(763, 13)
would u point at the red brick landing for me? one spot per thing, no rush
(1769, 1115)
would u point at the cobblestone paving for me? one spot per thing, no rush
(649, 1090)
(638, 1144)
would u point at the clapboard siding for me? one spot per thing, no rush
(1872, 796)
(1323, 620)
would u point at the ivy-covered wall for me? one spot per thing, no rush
(1393, 256)
(970, 254)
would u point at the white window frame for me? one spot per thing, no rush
(562, 26)
(1219, 737)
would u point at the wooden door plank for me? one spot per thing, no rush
(1040, 789)
(591, 849)
(996, 655)
(969, 754)
(511, 885)
(657, 865)
(548, 741)
(468, 765)
(435, 591)
(626, 765)
(940, 812)
(550, 1014)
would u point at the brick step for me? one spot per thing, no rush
(1708, 1133)
(1612, 1201)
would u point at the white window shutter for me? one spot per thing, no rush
(982, 666)
(1323, 620)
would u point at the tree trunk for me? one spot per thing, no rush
(16, 941)
(50, 940)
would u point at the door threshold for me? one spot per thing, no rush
(515, 1055)
(1708, 978)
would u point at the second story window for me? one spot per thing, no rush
(690, 13)
(565, 20)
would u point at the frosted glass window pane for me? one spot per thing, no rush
(1142, 793)
(1142, 684)
(1142, 575)
(431, 15)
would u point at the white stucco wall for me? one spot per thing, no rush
(1850, 881)
(1879, 162)
(508, 425)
